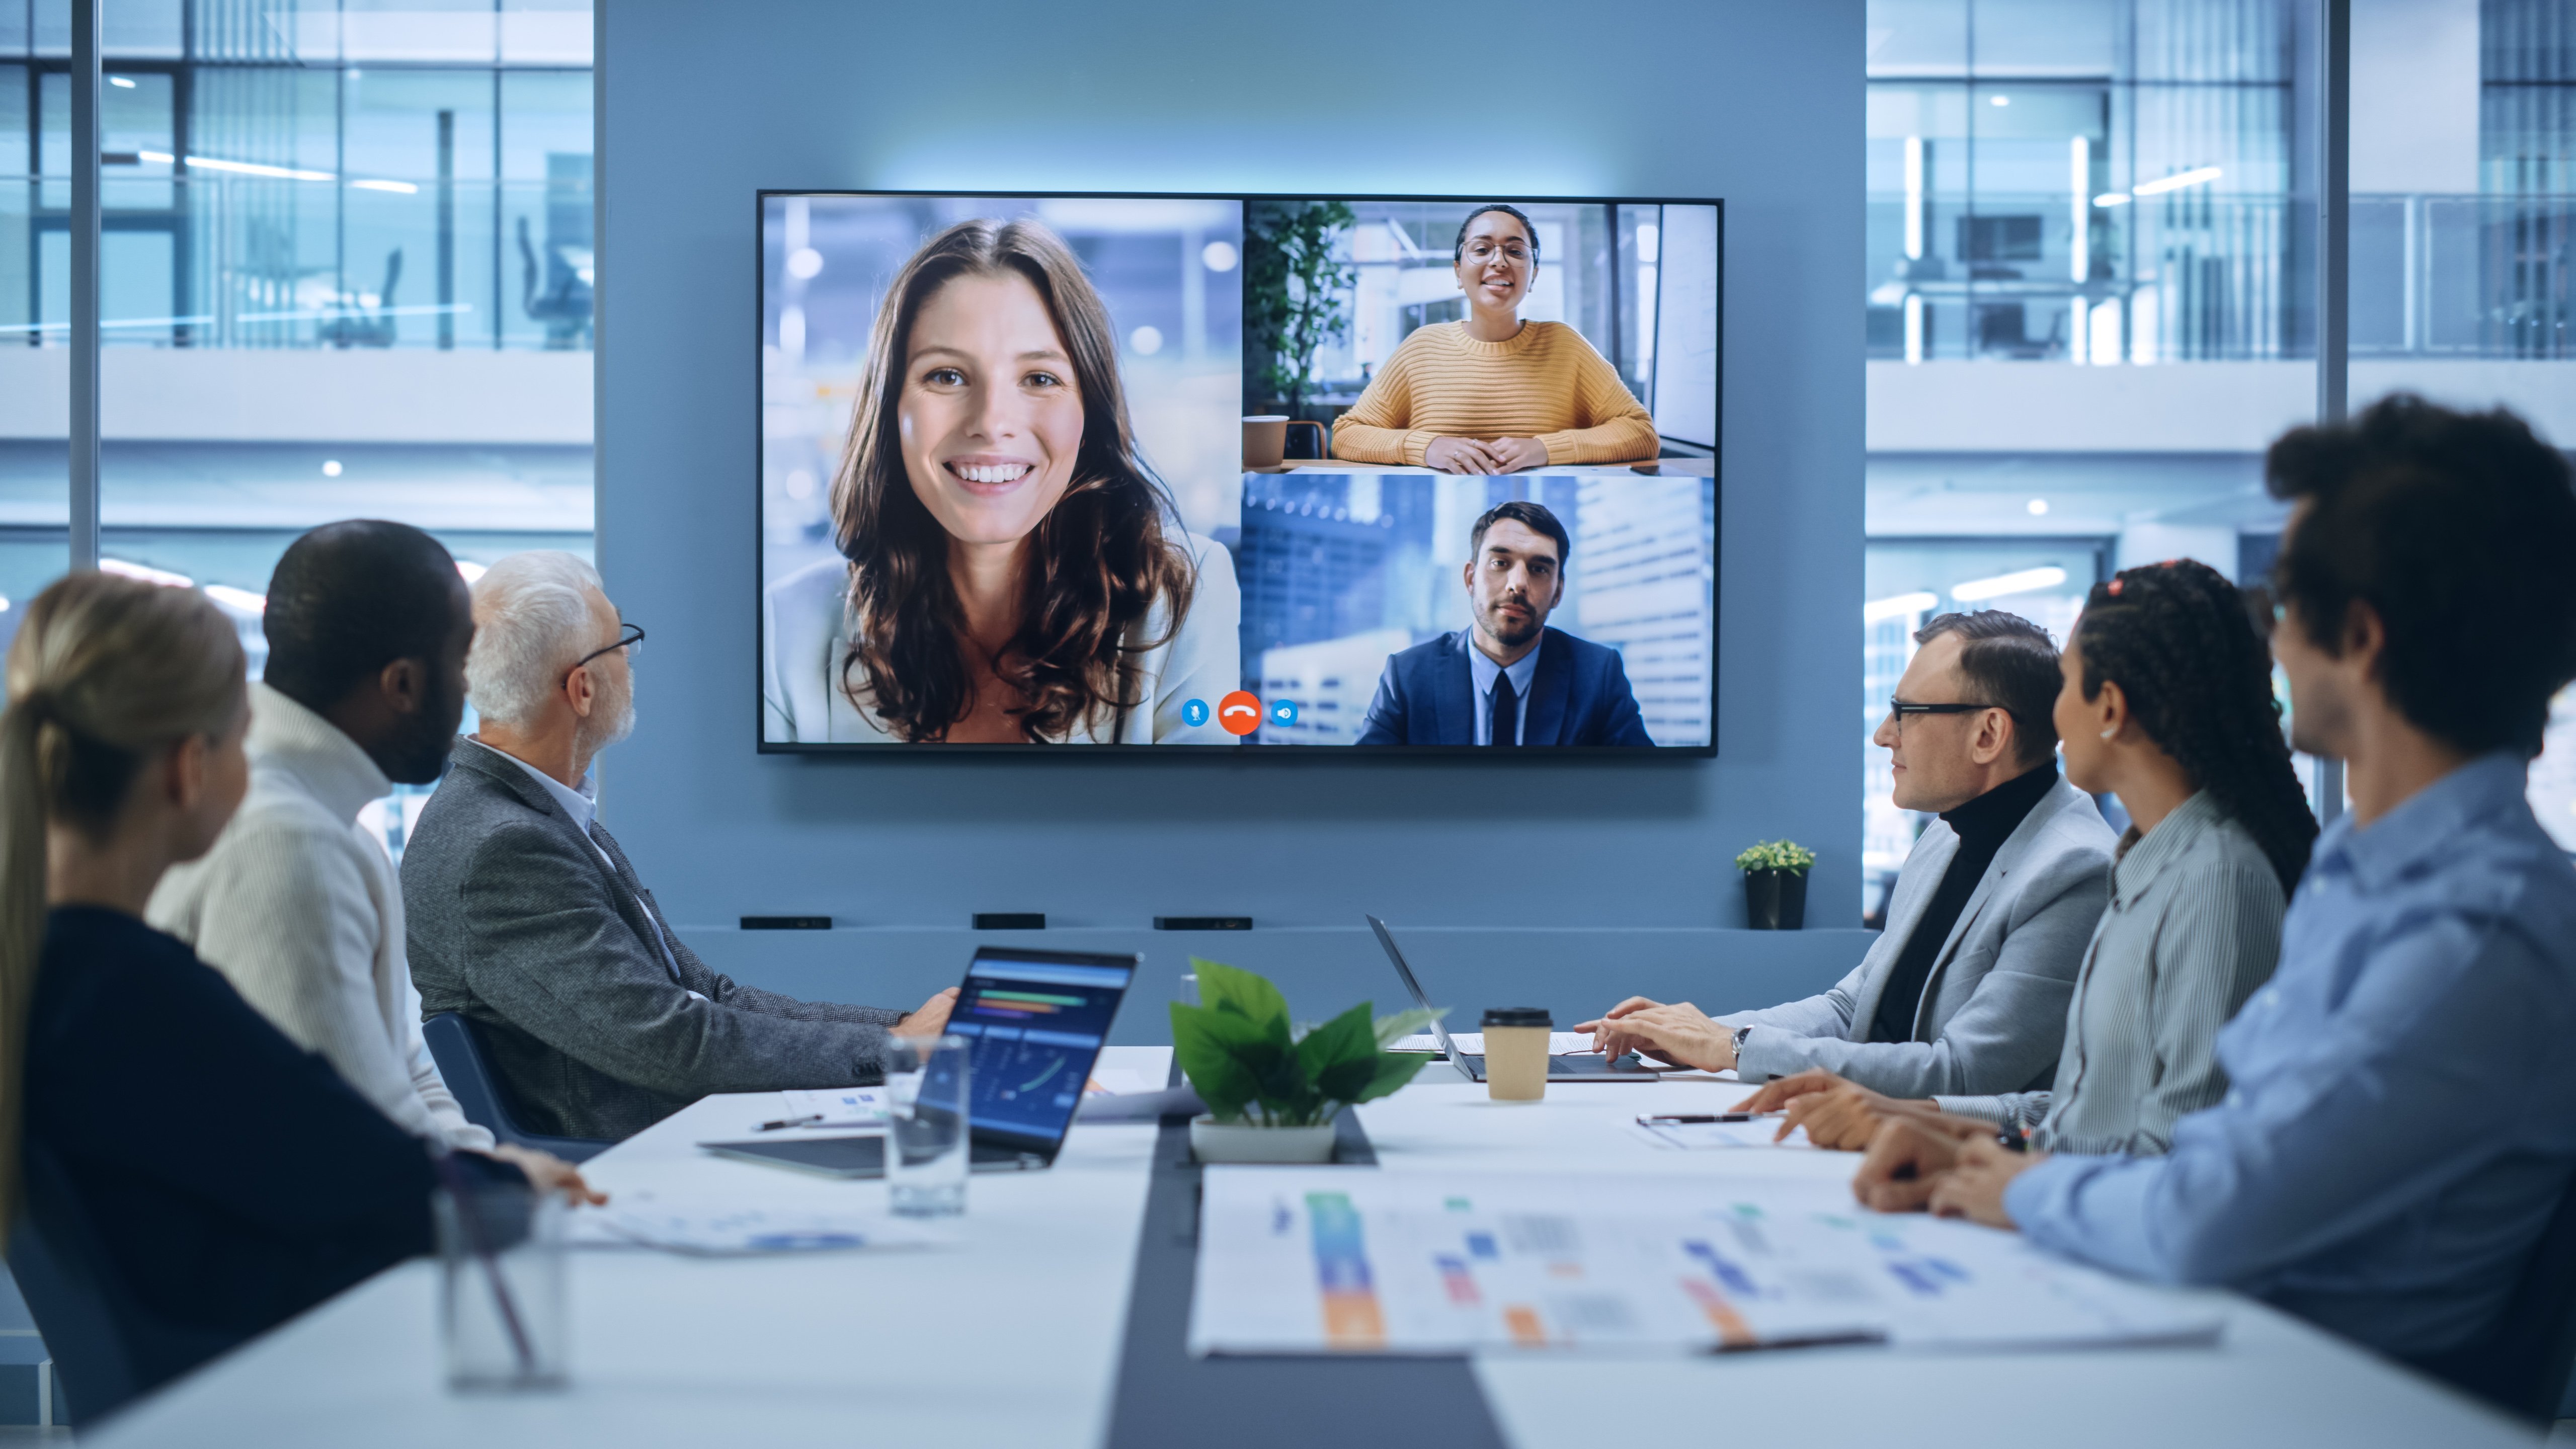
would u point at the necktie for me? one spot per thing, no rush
(1506, 723)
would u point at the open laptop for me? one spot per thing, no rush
(1037, 1020)
(1571, 1067)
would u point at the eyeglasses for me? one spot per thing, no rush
(1901, 709)
(1482, 252)
(631, 639)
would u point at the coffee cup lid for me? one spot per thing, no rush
(1517, 1016)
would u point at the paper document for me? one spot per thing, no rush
(732, 1231)
(1756, 1133)
(1306, 1260)
(1118, 1080)
(1559, 1043)
(838, 1107)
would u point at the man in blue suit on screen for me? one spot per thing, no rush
(1508, 679)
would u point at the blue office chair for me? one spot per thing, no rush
(107, 1348)
(2521, 1363)
(469, 1077)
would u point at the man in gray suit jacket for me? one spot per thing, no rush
(526, 916)
(1966, 991)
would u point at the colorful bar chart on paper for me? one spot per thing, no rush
(1334, 1261)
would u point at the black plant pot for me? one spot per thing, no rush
(1775, 900)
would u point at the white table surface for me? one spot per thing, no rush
(1012, 1335)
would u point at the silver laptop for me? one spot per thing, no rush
(1570, 1067)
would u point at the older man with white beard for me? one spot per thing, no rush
(525, 916)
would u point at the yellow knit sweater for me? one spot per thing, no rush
(1545, 383)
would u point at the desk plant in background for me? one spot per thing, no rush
(1775, 884)
(1292, 293)
(1273, 1090)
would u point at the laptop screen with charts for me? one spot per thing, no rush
(1570, 1067)
(1037, 1021)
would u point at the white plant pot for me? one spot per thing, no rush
(1211, 1141)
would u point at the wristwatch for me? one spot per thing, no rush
(1741, 1033)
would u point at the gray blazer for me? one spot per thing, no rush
(1993, 1012)
(515, 921)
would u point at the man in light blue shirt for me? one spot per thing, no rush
(2398, 1130)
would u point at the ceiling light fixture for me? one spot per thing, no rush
(2112, 198)
(2021, 582)
(330, 467)
(123, 83)
(1898, 605)
(2038, 508)
(2176, 183)
(399, 188)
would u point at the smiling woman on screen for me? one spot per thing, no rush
(1494, 393)
(1015, 574)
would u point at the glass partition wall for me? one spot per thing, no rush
(345, 270)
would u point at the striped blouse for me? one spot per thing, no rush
(2193, 927)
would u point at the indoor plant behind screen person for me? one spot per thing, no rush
(1273, 1091)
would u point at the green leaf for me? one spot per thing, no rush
(1203, 1043)
(1223, 988)
(1393, 1029)
(1341, 1055)
(1394, 1069)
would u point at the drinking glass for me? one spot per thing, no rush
(927, 1093)
(501, 1299)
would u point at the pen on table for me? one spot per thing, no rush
(1686, 1119)
(789, 1122)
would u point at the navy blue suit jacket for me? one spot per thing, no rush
(1579, 696)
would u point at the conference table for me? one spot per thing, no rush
(1012, 1332)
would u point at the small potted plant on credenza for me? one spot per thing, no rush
(1273, 1090)
(1775, 884)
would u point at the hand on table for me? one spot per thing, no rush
(1837, 1114)
(1460, 455)
(1906, 1159)
(1511, 455)
(548, 1173)
(1679, 1035)
(931, 1019)
(1974, 1186)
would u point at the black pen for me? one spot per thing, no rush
(1686, 1120)
(789, 1122)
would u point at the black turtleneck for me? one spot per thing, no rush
(1983, 825)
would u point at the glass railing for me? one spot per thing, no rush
(2195, 275)
(210, 259)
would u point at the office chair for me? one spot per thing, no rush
(107, 1349)
(469, 1077)
(2520, 1363)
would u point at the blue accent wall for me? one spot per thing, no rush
(1750, 100)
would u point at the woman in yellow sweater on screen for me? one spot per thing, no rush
(1493, 393)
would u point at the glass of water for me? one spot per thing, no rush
(926, 1126)
(501, 1300)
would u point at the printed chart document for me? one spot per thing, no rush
(1320, 1260)
(640, 1219)
(1694, 1135)
(838, 1106)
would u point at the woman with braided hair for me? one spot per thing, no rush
(2167, 703)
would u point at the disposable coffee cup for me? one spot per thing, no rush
(1516, 1052)
(1265, 440)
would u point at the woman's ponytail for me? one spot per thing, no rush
(105, 670)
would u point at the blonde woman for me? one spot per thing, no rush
(120, 756)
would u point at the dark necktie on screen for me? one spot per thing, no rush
(1506, 724)
(626, 876)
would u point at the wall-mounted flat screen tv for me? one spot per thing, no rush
(1405, 475)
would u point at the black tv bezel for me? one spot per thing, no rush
(827, 749)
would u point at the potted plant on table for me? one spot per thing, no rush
(1775, 884)
(1273, 1090)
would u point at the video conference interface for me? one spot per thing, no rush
(1037, 1027)
(1271, 473)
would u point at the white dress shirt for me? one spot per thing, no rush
(299, 907)
(1484, 671)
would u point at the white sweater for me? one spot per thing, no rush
(302, 911)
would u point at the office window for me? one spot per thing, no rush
(2090, 307)
(346, 271)
(2463, 283)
